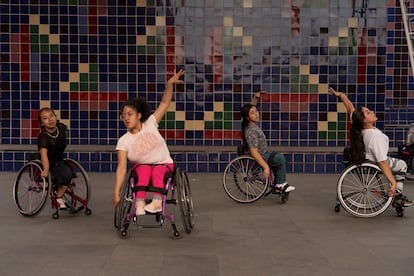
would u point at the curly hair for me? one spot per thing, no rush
(357, 151)
(141, 106)
(244, 112)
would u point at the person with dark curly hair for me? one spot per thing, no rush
(144, 146)
(369, 143)
(254, 137)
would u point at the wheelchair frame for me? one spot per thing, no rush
(176, 183)
(30, 190)
(244, 182)
(362, 190)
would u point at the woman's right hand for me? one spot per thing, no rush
(116, 199)
(334, 92)
(266, 171)
(44, 174)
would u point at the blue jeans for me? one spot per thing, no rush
(277, 163)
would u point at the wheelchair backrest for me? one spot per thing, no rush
(243, 149)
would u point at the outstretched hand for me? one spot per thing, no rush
(176, 77)
(334, 92)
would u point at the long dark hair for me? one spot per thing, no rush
(141, 106)
(244, 112)
(357, 151)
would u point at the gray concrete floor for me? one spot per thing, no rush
(302, 237)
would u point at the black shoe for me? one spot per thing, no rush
(402, 201)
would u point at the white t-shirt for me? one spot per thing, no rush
(376, 144)
(147, 146)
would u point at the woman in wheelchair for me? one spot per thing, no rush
(369, 143)
(52, 145)
(144, 146)
(254, 137)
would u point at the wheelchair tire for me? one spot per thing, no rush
(78, 193)
(124, 206)
(243, 180)
(185, 200)
(362, 190)
(30, 190)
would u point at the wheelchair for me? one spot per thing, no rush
(244, 182)
(30, 190)
(362, 190)
(176, 191)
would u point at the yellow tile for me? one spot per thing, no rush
(247, 3)
(141, 3)
(322, 126)
(332, 116)
(43, 104)
(208, 115)
(353, 22)
(343, 32)
(238, 31)
(247, 40)
(151, 30)
(54, 39)
(323, 88)
(194, 125)
(180, 115)
(160, 21)
(66, 122)
(333, 41)
(141, 40)
(84, 68)
(313, 79)
(172, 106)
(34, 19)
(228, 21)
(304, 69)
(218, 106)
(74, 77)
(341, 107)
(44, 29)
(64, 86)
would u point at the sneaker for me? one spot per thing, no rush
(154, 207)
(285, 187)
(402, 200)
(61, 203)
(139, 208)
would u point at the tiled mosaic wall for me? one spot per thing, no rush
(84, 58)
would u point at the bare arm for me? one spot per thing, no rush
(258, 157)
(348, 104)
(119, 175)
(167, 96)
(256, 98)
(45, 162)
(386, 170)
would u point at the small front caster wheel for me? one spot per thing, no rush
(284, 197)
(88, 211)
(55, 216)
(337, 208)
(124, 234)
(175, 235)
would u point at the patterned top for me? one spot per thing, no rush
(256, 138)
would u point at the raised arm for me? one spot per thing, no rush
(166, 98)
(256, 98)
(348, 104)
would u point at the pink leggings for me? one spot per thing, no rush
(156, 172)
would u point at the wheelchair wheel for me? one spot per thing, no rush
(79, 191)
(243, 180)
(124, 207)
(30, 190)
(362, 190)
(185, 200)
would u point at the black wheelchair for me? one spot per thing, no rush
(176, 191)
(31, 190)
(244, 182)
(362, 190)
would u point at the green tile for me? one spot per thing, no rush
(314, 88)
(151, 50)
(170, 116)
(333, 51)
(294, 88)
(161, 125)
(170, 124)
(208, 125)
(44, 39)
(54, 49)
(341, 125)
(228, 107)
(74, 86)
(218, 116)
(332, 126)
(342, 117)
(303, 88)
(331, 135)
(93, 77)
(141, 50)
(34, 48)
(342, 135)
(84, 86)
(34, 38)
(150, 40)
(294, 70)
(304, 79)
(44, 48)
(228, 116)
(93, 67)
(93, 86)
(34, 29)
(179, 125)
(322, 135)
(228, 125)
(218, 125)
(83, 77)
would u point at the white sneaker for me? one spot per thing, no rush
(61, 202)
(285, 187)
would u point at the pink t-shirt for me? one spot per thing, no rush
(147, 146)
